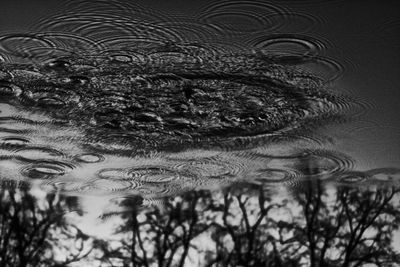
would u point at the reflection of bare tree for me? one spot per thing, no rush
(248, 231)
(30, 230)
(341, 227)
(160, 238)
(354, 228)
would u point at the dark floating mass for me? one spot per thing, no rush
(173, 94)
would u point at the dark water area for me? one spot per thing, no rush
(207, 133)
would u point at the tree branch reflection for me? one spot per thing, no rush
(33, 232)
(318, 226)
(244, 225)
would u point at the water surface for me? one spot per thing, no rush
(220, 133)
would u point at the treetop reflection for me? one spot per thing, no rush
(244, 225)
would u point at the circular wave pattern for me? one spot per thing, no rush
(240, 16)
(38, 153)
(328, 69)
(90, 158)
(192, 30)
(288, 45)
(276, 176)
(69, 42)
(106, 22)
(239, 105)
(288, 146)
(25, 45)
(324, 163)
(212, 168)
(114, 174)
(154, 174)
(352, 177)
(108, 185)
(21, 47)
(46, 170)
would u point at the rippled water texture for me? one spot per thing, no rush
(234, 122)
(113, 98)
(110, 97)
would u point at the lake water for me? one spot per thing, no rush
(199, 133)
